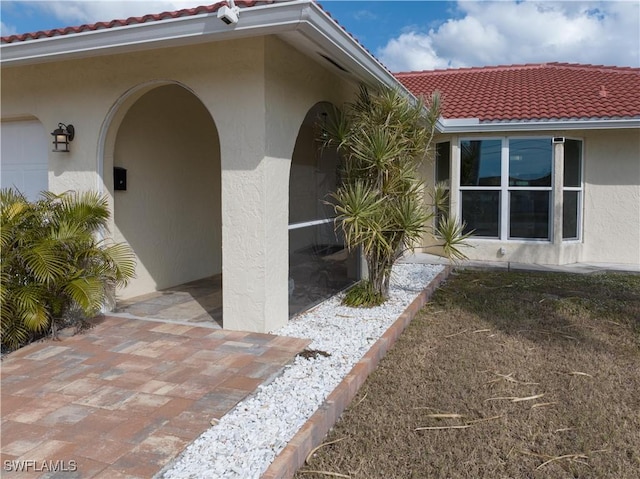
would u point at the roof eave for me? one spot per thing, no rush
(185, 30)
(301, 17)
(473, 125)
(327, 33)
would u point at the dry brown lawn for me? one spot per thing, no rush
(502, 375)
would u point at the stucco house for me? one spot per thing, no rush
(199, 126)
(542, 161)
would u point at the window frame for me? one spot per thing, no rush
(505, 189)
(556, 196)
(551, 201)
(437, 214)
(499, 189)
(579, 190)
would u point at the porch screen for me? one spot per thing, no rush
(319, 263)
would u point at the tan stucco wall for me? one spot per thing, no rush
(293, 85)
(256, 90)
(611, 205)
(612, 197)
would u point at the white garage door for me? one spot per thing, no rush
(23, 160)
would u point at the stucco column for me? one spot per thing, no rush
(454, 179)
(556, 194)
(254, 237)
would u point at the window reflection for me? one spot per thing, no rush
(480, 162)
(481, 212)
(529, 214)
(573, 163)
(530, 162)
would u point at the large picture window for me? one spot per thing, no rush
(506, 188)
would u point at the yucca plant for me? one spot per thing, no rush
(382, 138)
(52, 262)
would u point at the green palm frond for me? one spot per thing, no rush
(440, 197)
(52, 263)
(14, 332)
(122, 262)
(67, 231)
(453, 237)
(411, 218)
(357, 207)
(30, 307)
(87, 293)
(376, 147)
(333, 129)
(384, 135)
(44, 261)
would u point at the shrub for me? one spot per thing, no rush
(52, 262)
(383, 137)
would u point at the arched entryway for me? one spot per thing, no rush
(319, 263)
(168, 149)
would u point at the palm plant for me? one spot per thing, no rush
(382, 138)
(52, 262)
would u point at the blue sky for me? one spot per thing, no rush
(418, 35)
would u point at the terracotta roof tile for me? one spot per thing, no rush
(185, 12)
(546, 91)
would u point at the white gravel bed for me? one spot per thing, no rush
(248, 438)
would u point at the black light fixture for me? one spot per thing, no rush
(62, 136)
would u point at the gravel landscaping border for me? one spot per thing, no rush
(297, 408)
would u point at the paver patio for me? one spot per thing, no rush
(197, 302)
(125, 397)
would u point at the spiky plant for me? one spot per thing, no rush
(52, 262)
(382, 138)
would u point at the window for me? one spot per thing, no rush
(506, 188)
(480, 186)
(572, 190)
(530, 171)
(443, 177)
(443, 159)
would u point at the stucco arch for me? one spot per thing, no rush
(319, 262)
(170, 214)
(112, 122)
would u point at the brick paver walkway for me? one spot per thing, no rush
(125, 397)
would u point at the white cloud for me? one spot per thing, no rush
(498, 33)
(6, 30)
(76, 12)
(365, 15)
(411, 51)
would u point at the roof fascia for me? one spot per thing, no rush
(258, 20)
(319, 27)
(302, 17)
(474, 126)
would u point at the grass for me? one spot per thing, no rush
(502, 375)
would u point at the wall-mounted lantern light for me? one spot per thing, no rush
(62, 136)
